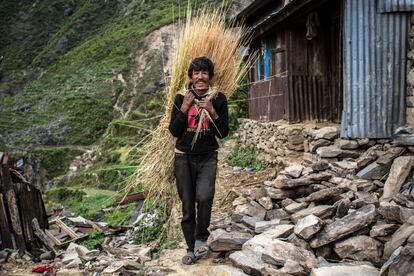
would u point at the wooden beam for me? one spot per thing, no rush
(95, 226)
(42, 236)
(131, 198)
(52, 238)
(66, 229)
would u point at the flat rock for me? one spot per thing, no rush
(345, 226)
(334, 152)
(250, 262)
(324, 194)
(252, 209)
(390, 155)
(314, 145)
(321, 211)
(266, 202)
(393, 212)
(303, 181)
(308, 226)
(225, 270)
(374, 171)
(360, 248)
(345, 270)
(221, 240)
(299, 242)
(347, 166)
(348, 144)
(368, 156)
(404, 200)
(293, 171)
(295, 207)
(401, 263)
(399, 171)
(262, 226)
(321, 165)
(279, 194)
(278, 231)
(383, 230)
(256, 193)
(249, 221)
(277, 252)
(328, 133)
(276, 214)
(293, 268)
(398, 238)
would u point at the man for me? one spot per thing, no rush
(196, 160)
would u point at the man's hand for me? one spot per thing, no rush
(188, 100)
(207, 105)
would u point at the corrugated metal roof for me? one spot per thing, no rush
(395, 5)
(374, 70)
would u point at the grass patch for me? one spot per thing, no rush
(78, 201)
(242, 157)
(94, 239)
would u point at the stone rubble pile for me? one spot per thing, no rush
(349, 209)
(117, 255)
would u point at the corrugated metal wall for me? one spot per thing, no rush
(374, 69)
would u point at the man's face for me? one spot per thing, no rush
(200, 80)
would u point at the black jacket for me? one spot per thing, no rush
(183, 125)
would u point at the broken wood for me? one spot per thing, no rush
(42, 236)
(65, 228)
(53, 238)
(6, 239)
(95, 226)
(11, 202)
(131, 198)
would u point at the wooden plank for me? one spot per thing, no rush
(66, 229)
(131, 198)
(11, 202)
(52, 238)
(95, 226)
(42, 236)
(6, 239)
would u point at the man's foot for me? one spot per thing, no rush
(189, 258)
(201, 248)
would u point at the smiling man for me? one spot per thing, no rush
(195, 162)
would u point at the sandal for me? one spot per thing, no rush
(188, 258)
(201, 248)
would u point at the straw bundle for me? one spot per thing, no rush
(205, 34)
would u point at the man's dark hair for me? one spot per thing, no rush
(201, 63)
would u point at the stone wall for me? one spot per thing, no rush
(281, 143)
(410, 77)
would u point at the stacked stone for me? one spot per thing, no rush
(352, 212)
(274, 141)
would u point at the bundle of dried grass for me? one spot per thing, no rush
(203, 34)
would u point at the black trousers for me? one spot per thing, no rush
(195, 178)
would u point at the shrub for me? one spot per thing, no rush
(242, 157)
